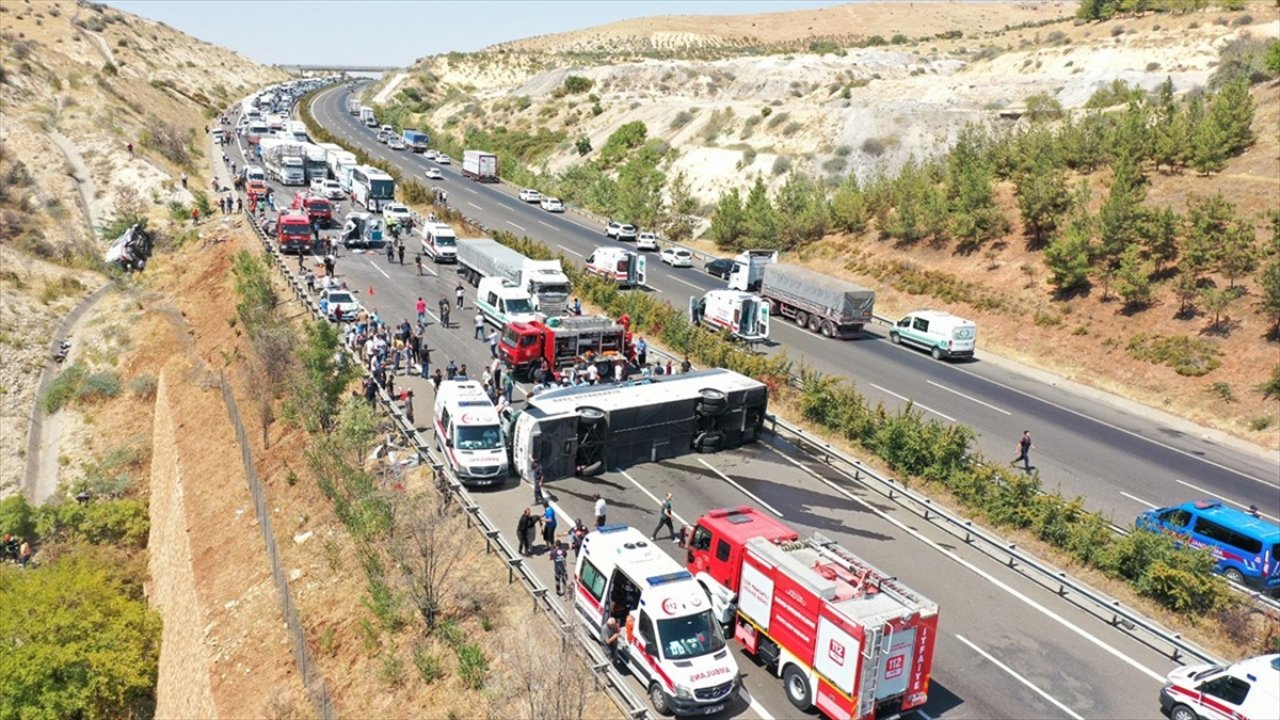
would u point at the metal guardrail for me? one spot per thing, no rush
(607, 677)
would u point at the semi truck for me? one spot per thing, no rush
(824, 304)
(416, 140)
(671, 642)
(544, 280)
(353, 104)
(846, 638)
(367, 117)
(582, 430)
(480, 165)
(625, 267)
(317, 162)
(748, 269)
(340, 163)
(742, 314)
(564, 341)
(284, 161)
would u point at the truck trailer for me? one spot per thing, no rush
(845, 637)
(585, 430)
(284, 160)
(824, 304)
(480, 165)
(416, 140)
(545, 282)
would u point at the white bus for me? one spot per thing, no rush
(372, 187)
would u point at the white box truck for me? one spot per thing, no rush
(480, 165)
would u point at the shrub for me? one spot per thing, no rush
(63, 388)
(59, 288)
(1270, 388)
(781, 164)
(99, 386)
(777, 120)
(429, 666)
(682, 118)
(873, 147)
(143, 386)
(575, 84)
(473, 666)
(1187, 356)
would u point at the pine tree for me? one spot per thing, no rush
(1133, 278)
(728, 223)
(1185, 288)
(1232, 111)
(849, 211)
(1067, 257)
(974, 214)
(1160, 230)
(1269, 287)
(1207, 151)
(1209, 222)
(1238, 254)
(1118, 218)
(801, 212)
(761, 220)
(1043, 197)
(678, 219)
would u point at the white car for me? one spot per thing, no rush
(677, 257)
(620, 231)
(646, 241)
(395, 143)
(431, 154)
(382, 136)
(433, 174)
(397, 212)
(332, 189)
(530, 196)
(551, 204)
(443, 159)
(340, 298)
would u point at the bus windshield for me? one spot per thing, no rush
(690, 636)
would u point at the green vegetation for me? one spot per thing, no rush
(1107, 9)
(1187, 356)
(77, 384)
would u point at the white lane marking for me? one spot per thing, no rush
(1215, 495)
(1130, 433)
(969, 397)
(744, 491)
(764, 714)
(516, 226)
(950, 554)
(1019, 678)
(653, 288)
(474, 205)
(653, 497)
(1137, 499)
(471, 190)
(374, 264)
(686, 282)
(913, 402)
(553, 227)
(571, 252)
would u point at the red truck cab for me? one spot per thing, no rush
(563, 341)
(316, 208)
(293, 232)
(719, 537)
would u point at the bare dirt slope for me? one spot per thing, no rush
(98, 79)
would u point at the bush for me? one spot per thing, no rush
(682, 118)
(473, 666)
(1187, 356)
(575, 84)
(781, 165)
(873, 147)
(63, 388)
(99, 386)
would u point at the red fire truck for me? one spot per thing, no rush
(293, 232)
(844, 637)
(563, 341)
(317, 208)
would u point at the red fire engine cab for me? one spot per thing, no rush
(844, 637)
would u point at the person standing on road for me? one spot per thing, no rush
(549, 527)
(420, 307)
(400, 252)
(535, 477)
(461, 294)
(601, 510)
(642, 353)
(523, 532)
(479, 334)
(1024, 451)
(417, 261)
(664, 518)
(508, 386)
(613, 635)
(493, 344)
(559, 561)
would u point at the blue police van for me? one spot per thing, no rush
(1246, 547)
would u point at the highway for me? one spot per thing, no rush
(1007, 648)
(1121, 460)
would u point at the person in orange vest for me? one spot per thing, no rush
(195, 216)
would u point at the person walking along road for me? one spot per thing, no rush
(1024, 451)
(664, 518)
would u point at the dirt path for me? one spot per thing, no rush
(79, 173)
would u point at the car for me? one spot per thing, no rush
(433, 174)
(382, 136)
(317, 187)
(395, 143)
(443, 159)
(530, 196)
(551, 204)
(431, 154)
(620, 231)
(397, 212)
(677, 257)
(720, 267)
(340, 298)
(647, 241)
(332, 189)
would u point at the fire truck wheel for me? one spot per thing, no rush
(659, 699)
(797, 688)
(590, 415)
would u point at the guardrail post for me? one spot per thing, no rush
(489, 537)
(539, 594)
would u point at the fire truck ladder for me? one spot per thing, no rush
(867, 573)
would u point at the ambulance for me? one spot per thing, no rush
(744, 315)
(469, 433)
(671, 641)
(1247, 690)
(625, 267)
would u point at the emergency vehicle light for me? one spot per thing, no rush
(1206, 504)
(669, 578)
(611, 528)
(474, 403)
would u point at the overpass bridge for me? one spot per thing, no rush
(310, 69)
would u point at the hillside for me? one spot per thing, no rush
(78, 83)
(722, 108)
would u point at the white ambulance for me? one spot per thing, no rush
(1247, 690)
(439, 242)
(944, 335)
(623, 266)
(469, 433)
(671, 639)
(745, 315)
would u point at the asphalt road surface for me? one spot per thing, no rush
(1006, 648)
(1122, 459)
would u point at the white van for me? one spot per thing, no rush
(625, 267)
(944, 335)
(469, 433)
(1248, 690)
(439, 242)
